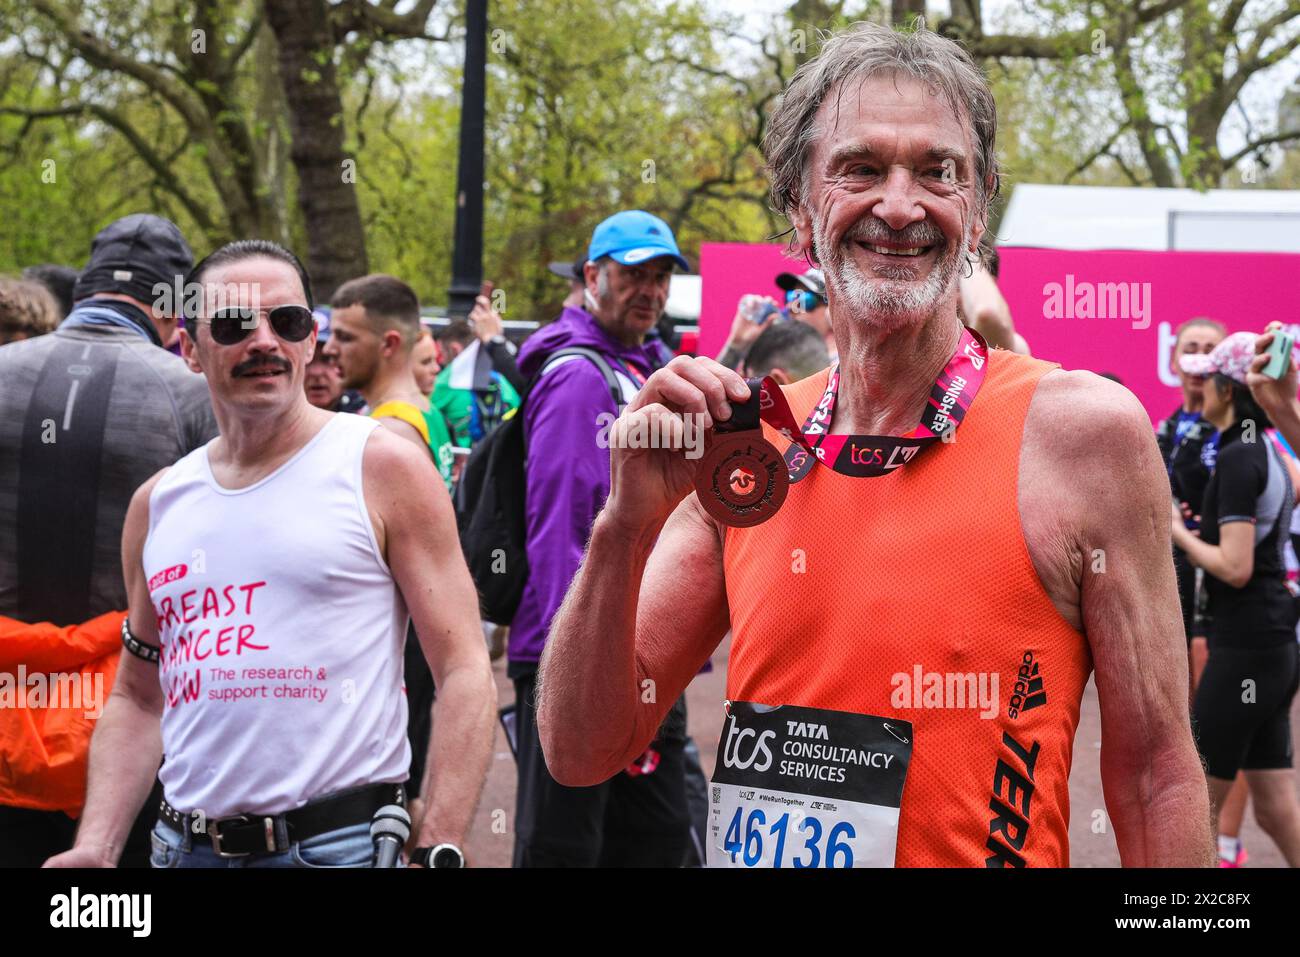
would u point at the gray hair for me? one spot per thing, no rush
(602, 276)
(861, 51)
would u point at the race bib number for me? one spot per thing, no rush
(803, 787)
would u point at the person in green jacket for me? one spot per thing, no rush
(472, 395)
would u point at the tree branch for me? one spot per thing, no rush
(1158, 10)
(1228, 25)
(1255, 145)
(1276, 55)
(1104, 150)
(162, 169)
(1027, 47)
(387, 22)
(1250, 61)
(99, 54)
(1119, 161)
(1173, 140)
(249, 38)
(1134, 99)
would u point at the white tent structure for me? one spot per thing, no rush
(1104, 217)
(684, 293)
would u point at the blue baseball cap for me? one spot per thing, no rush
(634, 236)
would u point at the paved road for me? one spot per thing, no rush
(1092, 842)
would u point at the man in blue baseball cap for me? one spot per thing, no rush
(638, 817)
(630, 262)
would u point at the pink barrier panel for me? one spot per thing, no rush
(1105, 311)
(729, 271)
(1071, 306)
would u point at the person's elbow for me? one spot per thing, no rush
(1237, 573)
(1238, 579)
(564, 767)
(472, 672)
(572, 750)
(571, 766)
(1139, 771)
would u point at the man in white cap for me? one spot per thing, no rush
(805, 299)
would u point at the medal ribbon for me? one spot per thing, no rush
(868, 456)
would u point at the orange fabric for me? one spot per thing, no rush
(857, 581)
(44, 749)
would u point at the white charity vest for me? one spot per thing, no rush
(282, 632)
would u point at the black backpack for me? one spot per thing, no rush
(490, 502)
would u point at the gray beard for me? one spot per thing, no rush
(894, 300)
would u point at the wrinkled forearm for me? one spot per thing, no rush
(1160, 809)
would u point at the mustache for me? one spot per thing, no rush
(261, 364)
(874, 230)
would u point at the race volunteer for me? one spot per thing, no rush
(1245, 521)
(270, 575)
(1025, 549)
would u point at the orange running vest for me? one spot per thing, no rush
(906, 595)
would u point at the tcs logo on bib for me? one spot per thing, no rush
(731, 751)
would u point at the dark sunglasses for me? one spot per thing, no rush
(229, 326)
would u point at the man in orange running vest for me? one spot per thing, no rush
(914, 626)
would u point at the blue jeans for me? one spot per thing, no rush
(347, 847)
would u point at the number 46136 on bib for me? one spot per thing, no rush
(804, 787)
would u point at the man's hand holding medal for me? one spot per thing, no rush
(741, 478)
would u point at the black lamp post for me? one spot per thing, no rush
(467, 248)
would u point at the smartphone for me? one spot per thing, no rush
(485, 289)
(760, 315)
(508, 716)
(1279, 355)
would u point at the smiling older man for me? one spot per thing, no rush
(912, 561)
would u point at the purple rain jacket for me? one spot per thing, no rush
(567, 468)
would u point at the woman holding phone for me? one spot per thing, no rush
(1242, 707)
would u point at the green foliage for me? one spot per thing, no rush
(406, 178)
(592, 107)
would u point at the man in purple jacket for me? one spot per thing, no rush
(638, 817)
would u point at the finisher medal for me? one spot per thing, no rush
(742, 480)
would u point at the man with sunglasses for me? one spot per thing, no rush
(87, 413)
(271, 576)
(805, 301)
